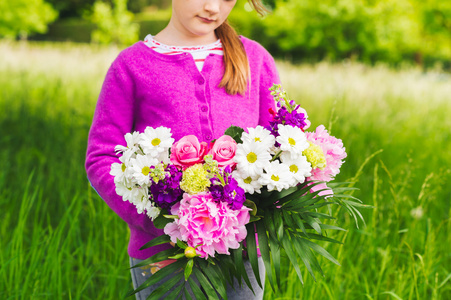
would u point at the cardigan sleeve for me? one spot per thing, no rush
(113, 118)
(268, 77)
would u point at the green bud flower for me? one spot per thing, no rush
(190, 252)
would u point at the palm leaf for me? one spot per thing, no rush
(205, 284)
(162, 239)
(158, 276)
(166, 286)
(251, 247)
(196, 290)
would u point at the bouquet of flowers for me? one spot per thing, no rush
(254, 192)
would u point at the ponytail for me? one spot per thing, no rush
(237, 72)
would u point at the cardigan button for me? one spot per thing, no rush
(204, 108)
(208, 137)
(201, 81)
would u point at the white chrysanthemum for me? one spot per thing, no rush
(251, 158)
(128, 193)
(140, 206)
(299, 167)
(141, 168)
(152, 211)
(132, 140)
(121, 171)
(247, 183)
(157, 141)
(292, 139)
(260, 135)
(277, 176)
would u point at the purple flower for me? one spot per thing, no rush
(167, 192)
(233, 194)
(230, 193)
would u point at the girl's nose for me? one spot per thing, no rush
(212, 6)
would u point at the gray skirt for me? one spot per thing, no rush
(140, 275)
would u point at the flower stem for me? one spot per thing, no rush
(276, 156)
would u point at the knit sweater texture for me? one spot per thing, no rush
(146, 88)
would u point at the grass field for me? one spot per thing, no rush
(60, 241)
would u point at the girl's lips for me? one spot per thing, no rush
(205, 20)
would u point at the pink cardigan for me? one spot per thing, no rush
(145, 88)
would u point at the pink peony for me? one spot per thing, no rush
(223, 151)
(212, 225)
(188, 151)
(333, 151)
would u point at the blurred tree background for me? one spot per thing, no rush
(391, 31)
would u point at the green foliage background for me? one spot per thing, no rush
(391, 31)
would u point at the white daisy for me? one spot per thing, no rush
(141, 168)
(292, 139)
(156, 141)
(277, 176)
(251, 158)
(299, 167)
(260, 135)
(131, 194)
(152, 211)
(132, 140)
(140, 206)
(247, 183)
(141, 200)
(120, 171)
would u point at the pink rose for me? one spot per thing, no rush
(212, 226)
(188, 151)
(223, 151)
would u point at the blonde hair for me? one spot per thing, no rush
(236, 73)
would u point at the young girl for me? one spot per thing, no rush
(196, 76)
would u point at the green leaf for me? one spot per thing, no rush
(326, 226)
(254, 219)
(288, 220)
(297, 219)
(251, 204)
(235, 132)
(177, 256)
(160, 221)
(162, 239)
(241, 271)
(229, 268)
(188, 269)
(175, 293)
(305, 254)
(318, 215)
(338, 190)
(264, 250)
(312, 207)
(186, 293)
(289, 251)
(251, 247)
(160, 256)
(159, 275)
(216, 277)
(181, 244)
(314, 236)
(205, 284)
(312, 222)
(320, 250)
(166, 286)
(196, 290)
(295, 195)
(273, 245)
(278, 223)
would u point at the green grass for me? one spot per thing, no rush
(59, 240)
